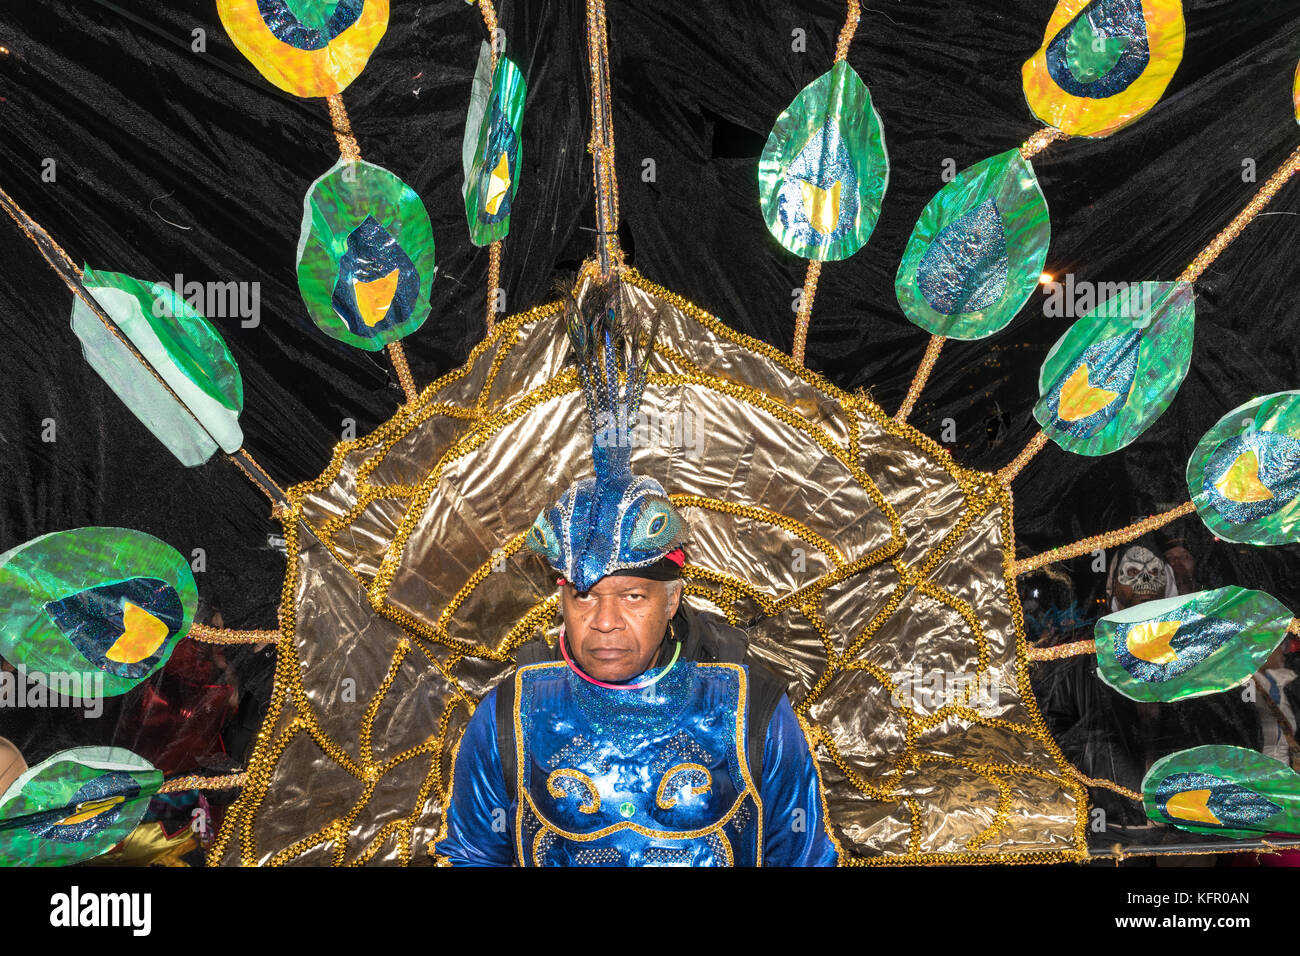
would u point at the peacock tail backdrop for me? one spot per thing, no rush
(940, 290)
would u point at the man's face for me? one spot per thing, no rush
(613, 630)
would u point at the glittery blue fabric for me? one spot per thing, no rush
(824, 161)
(282, 22)
(1279, 471)
(1233, 804)
(372, 254)
(1112, 365)
(92, 620)
(965, 267)
(1108, 18)
(1198, 637)
(114, 783)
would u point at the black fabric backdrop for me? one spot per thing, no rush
(174, 161)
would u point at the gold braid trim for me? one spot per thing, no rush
(348, 147)
(1100, 542)
(1061, 651)
(222, 635)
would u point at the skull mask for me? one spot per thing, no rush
(1141, 576)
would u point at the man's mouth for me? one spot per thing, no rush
(606, 653)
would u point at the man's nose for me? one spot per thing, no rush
(608, 616)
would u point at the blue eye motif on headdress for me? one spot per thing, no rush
(544, 540)
(657, 524)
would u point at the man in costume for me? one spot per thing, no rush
(648, 735)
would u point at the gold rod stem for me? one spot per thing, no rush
(398, 355)
(1105, 784)
(1061, 650)
(223, 635)
(1008, 474)
(198, 782)
(490, 21)
(265, 483)
(348, 147)
(1040, 141)
(602, 139)
(1243, 218)
(493, 282)
(846, 32)
(922, 376)
(494, 250)
(804, 315)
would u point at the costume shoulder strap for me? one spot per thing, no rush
(765, 690)
(534, 652)
(505, 713)
(711, 639)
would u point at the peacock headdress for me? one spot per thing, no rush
(615, 520)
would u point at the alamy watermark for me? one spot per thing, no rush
(651, 429)
(213, 300)
(1071, 299)
(935, 688)
(53, 689)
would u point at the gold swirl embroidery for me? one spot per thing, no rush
(668, 802)
(559, 793)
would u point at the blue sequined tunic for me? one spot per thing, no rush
(650, 777)
(632, 777)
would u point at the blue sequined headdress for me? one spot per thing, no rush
(616, 520)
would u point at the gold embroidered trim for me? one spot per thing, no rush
(590, 805)
(667, 803)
